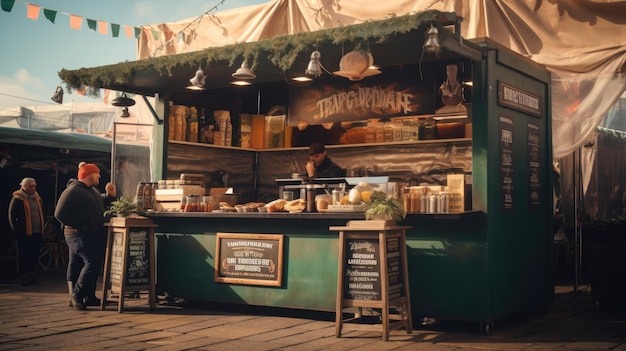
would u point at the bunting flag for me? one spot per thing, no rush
(32, 12)
(91, 24)
(7, 5)
(102, 27)
(76, 22)
(51, 15)
(129, 31)
(115, 30)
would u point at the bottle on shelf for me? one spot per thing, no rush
(192, 134)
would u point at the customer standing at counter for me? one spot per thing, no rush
(320, 165)
(80, 209)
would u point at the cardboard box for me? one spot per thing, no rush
(274, 132)
(456, 188)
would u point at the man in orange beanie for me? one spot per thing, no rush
(80, 209)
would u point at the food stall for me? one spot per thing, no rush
(487, 260)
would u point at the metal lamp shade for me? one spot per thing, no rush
(123, 101)
(314, 68)
(244, 72)
(431, 45)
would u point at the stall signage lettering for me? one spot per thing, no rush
(138, 272)
(137, 249)
(519, 99)
(506, 163)
(387, 101)
(362, 270)
(394, 268)
(253, 259)
(534, 167)
(387, 95)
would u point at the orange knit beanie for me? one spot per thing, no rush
(84, 170)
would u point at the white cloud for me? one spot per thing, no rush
(23, 89)
(20, 89)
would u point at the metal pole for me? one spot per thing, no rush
(113, 152)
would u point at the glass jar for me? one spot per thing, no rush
(193, 203)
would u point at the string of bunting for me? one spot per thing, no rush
(33, 11)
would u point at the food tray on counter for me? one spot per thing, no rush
(345, 208)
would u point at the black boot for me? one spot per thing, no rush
(91, 301)
(77, 302)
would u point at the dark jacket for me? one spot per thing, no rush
(329, 169)
(19, 214)
(81, 207)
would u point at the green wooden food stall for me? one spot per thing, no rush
(486, 263)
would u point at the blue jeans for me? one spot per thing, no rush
(85, 261)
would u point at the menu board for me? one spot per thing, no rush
(252, 259)
(137, 261)
(117, 252)
(137, 250)
(394, 268)
(362, 272)
(534, 167)
(506, 164)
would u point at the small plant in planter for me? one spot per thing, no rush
(383, 206)
(122, 208)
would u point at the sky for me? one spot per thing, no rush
(32, 52)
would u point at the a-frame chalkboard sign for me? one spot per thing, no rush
(373, 274)
(129, 260)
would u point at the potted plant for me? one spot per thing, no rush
(122, 207)
(384, 207)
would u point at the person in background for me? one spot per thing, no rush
(320, 165)
(80, 210)
(27, 222)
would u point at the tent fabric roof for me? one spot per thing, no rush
(582, 43)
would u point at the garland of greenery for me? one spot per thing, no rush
(282, 51)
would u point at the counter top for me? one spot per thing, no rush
(315, 215)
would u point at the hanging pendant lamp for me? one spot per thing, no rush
(123, 101)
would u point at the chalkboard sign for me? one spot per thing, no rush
(136, 260)
(117, 254)
(395, 267)
(373, 273)
(137, 268)
(252, 259)
(129, 260)
(362, 270)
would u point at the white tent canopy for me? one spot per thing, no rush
(583, 43)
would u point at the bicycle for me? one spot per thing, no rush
(43, 261)
(53, 248)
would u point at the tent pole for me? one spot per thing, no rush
(113, 153)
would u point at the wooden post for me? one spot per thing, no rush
(129, 260)
(373, 274)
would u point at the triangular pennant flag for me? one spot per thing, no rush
(7, 5)
(115, 30)
(156, 34)
(32, 11)
(102, 27)
(75, 22)
(91, 24)
(51, 15)
(129, 31)
(137, 32)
